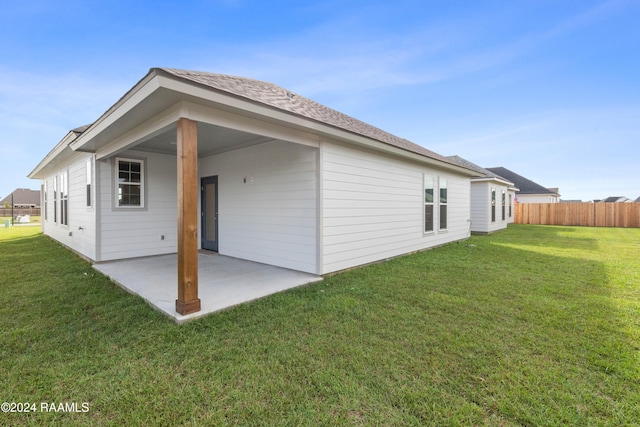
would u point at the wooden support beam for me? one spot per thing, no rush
(187, 143)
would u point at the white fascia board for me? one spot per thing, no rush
(137, 94)
(152, 127)
(491, 179)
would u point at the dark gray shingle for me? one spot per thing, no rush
(525, 185)
(275, 96)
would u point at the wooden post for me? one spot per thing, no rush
(187, 144)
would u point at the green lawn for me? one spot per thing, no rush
(530, 326)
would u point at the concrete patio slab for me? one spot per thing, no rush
(222, 283)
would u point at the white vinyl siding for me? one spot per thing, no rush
(80, 232)
(537, 198)
(373, 207)
(480, 207)
(485, 202)
(267, 203)
(136, 232)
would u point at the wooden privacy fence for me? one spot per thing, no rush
(582, 214)
(20, 211)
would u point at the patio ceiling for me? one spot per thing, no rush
(212, 139)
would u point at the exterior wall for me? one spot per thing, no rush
(373, 207)
(511, 219)
(80, 232)
(480, 206)
(499, 223)
(537, 198)
(135, 232)
(272, 217)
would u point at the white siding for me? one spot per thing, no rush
(80, 233)
(272, 217)
(480, 206)
(126, 233)
(511, 219)
(537, 198)
(373, 207)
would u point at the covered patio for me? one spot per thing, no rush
(223, 281)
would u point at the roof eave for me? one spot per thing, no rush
(54, 154)
(130, 99)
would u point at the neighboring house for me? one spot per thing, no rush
(528, 191)
(22, 198)
(492, 199)
(615, 199)
(192, 160)
(637, 200)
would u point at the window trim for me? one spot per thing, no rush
(55, 199)
(425, 203)
(493, 204)
(504, 204)
(89, 182)
(442, 184)
(45, 200)
(116, 184)
(64, 198)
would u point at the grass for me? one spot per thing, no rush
(530, 326)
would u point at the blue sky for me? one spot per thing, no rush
(548, 89)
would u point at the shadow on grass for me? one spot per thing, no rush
(548, 236)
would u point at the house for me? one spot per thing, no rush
(492, 199)
(22, 198)
(528, 191)
(192, 160)
(615, 199)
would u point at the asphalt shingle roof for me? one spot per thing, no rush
(525, 185)
(277, 97)
(23, 197)
(470, 165)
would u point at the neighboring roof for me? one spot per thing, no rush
(637, 200)
(525, 185)
(615, 199)
(485, 172)
(275, 96)
(23, 197)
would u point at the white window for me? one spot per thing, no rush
(428, 204)
(45, 198)
(129, 183)
(55, 199)
(89, 181)
(64, 198)
(493, 205)
(504, 202)
(443, 204)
